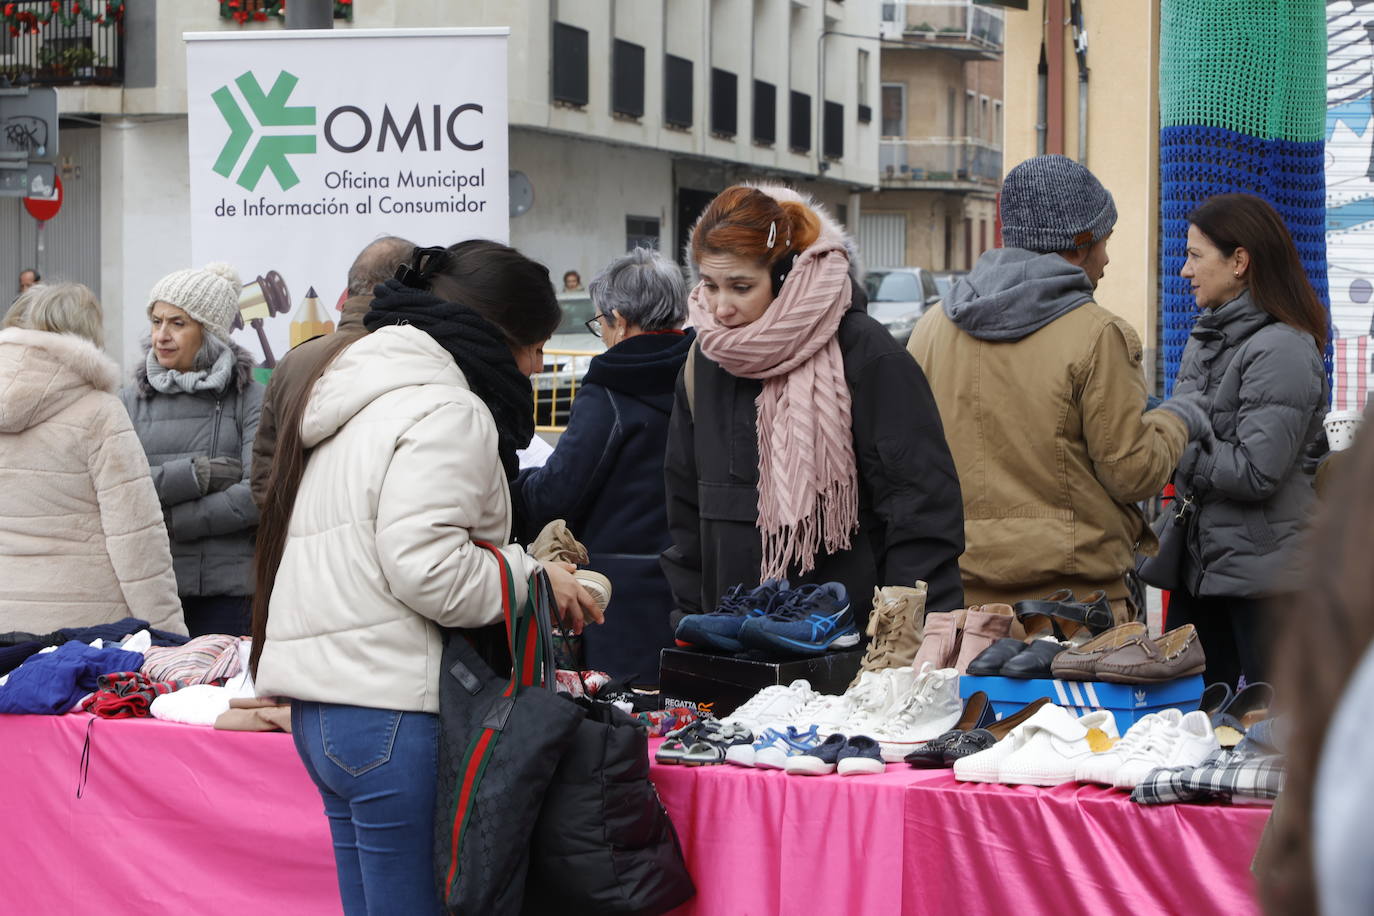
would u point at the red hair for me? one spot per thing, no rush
(739, 221)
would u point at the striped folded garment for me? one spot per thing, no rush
(210, 659)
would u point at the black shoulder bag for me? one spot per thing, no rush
(1165, 569)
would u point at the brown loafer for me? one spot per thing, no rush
(1081, 664)
(1178, 653)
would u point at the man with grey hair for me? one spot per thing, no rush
(296, 370)
(605, 477)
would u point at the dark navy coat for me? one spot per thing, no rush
(605, 478)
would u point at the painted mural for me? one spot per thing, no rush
(1350, 196)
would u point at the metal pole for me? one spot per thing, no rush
(310, 14)
(821, 165)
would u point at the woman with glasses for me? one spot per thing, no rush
(605, 478)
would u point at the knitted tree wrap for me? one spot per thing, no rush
(1242, 108)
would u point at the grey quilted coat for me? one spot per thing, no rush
(1268, 393)
(211, 535)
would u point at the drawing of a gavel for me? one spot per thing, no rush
(263, 298)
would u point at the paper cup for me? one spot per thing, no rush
(1341, 427)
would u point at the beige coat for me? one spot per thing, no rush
(1053, 448)
(403, 476)
(81, 535)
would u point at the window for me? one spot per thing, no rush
(765, 113)
(997, 122)
(892, 286)
(677, 91)
(569, 64)
(863, 78)
(641, 232)
(833, 141)
(724, 102)
(894, 110)
(627, 79)
(889, 12)
(970, 114)
(799, 127)
(984, 122)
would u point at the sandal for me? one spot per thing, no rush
(1093, 615)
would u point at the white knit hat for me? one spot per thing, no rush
(209, 295)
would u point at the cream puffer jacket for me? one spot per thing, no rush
(82, 540)
(403, 476)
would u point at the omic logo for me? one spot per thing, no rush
(270, 151)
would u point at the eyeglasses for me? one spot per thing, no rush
(594, 326)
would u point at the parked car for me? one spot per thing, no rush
(566, 358)
(945, 280)
(898, 296)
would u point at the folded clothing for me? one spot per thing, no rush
(50, 683)
(255, 714)
(570, 683)
(12, 657)
(661, 721)
(203, 660)
(126, 694)
(114, 632)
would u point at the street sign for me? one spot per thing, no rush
(28, 124)
(45, 208)
(33, 179)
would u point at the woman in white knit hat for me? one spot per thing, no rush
(195, 408)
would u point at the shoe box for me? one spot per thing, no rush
(720, 683)
(1128, 702)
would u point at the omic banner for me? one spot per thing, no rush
(306, 146)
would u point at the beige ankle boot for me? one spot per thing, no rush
(940, 641)
(556, 544)
(982, 626)
(894, 628)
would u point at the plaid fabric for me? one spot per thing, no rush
(1224, 776)
(662, 721)
(208, 659)
(126, 694)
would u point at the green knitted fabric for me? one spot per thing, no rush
(1251, 66)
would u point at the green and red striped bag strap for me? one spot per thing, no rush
(527, 650)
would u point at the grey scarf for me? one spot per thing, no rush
(172, 381)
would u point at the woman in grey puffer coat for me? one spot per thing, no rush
(195, 407)
(1254, 362)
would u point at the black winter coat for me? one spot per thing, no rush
(911, 517)
(605, 478)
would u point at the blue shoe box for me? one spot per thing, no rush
(1128, 702)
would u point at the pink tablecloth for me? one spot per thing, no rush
(916, 842)
(179, 819)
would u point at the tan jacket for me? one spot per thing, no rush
(82, 540)
(1053, 448)
(403, 476)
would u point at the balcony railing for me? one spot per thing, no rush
(946, 23)
(73, 44)
(946, 161)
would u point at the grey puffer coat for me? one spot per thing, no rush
(1267, 392)
(211, 535)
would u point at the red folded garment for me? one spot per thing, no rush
(127, 694)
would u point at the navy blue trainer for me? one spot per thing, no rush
(720, 629)
(809, 621)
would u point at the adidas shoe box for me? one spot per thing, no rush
(1128, 702)
(718, 684)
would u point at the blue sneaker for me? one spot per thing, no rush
(773, 754)
(720, 629)
(819, 761)
(811, 620)
(861, 755)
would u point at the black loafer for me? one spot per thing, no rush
(931, 755)
(969, 743)
(1035, 661)
(989, 662)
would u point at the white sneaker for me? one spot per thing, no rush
(1054, 744)
(931, 709)
(773, 705)
(878, 695)
(1101, 768)
(1185, 744)
(985, 766)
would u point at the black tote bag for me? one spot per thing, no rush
(1164, 570)
(499, 740)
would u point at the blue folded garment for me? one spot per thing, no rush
(52, 683)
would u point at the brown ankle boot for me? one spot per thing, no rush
(894, 628)
(556, 544)
(982, 626)
(940, 641)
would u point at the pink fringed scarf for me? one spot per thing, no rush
(808, 484)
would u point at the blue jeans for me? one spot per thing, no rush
(376, 769)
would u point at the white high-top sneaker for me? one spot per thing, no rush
(931, 709)
(773, 705)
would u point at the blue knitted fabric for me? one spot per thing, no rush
(1199, 162)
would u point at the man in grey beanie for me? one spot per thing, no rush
(1044, 402)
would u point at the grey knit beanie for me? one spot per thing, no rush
(1051, 203)
(210, 295)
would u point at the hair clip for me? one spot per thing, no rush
(424, 264)
(772, 233)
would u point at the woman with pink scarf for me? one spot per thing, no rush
(805, 443)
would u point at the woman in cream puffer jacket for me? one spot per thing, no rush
(81, 535)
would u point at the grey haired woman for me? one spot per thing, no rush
(195, 406)
(605, 477)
